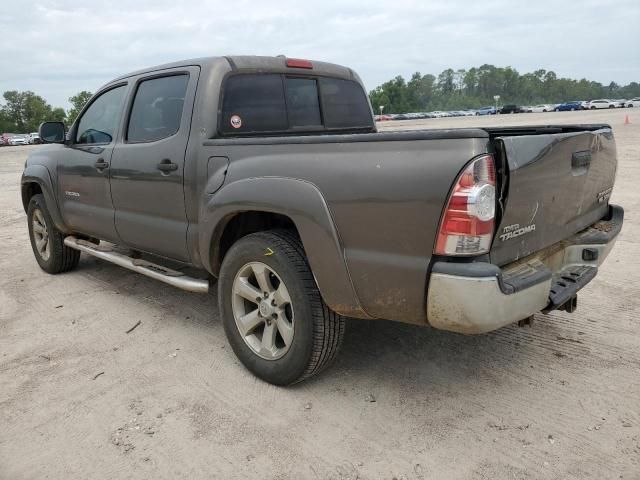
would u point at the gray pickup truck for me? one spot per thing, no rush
(267, 174)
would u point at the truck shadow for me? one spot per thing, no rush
(376, 352)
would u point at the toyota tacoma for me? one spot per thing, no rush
(267, 176)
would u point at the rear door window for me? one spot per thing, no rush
(157, 108)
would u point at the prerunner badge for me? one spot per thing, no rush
(236, 121)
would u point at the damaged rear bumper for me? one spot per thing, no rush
(480, 297)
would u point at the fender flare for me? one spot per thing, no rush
(40, 174)
(303, 203)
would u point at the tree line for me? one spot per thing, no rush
(23, 112)
(476, 87)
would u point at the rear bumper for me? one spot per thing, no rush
(480, 297)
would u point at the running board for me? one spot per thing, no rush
(164, 274)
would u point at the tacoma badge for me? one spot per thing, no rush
(513, 231)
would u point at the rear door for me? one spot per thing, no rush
(147, 167)
(558, 184)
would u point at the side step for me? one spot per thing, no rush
(164, 274)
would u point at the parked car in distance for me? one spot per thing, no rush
(486, 110)
(620, 102)
(569, 106)
(18, 140)
(601, 103)
(510, 108)
(429, 234)
(539, 108)
(634, 102)
(33, 138)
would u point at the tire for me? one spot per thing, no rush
(55, 256)
(593, 108)
(314, 332)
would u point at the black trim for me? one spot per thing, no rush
(232, 64)
(510, 283)
(352, 137)
(567, 286)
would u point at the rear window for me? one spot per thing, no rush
(345, 104)
(280, 104)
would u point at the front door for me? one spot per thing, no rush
(83, 167)
(147, 166)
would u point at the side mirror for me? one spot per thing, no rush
(51, 132)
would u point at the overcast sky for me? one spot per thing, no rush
(59, 47)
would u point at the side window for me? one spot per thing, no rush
(157, 108)
(345, 104)
(100, 121)
(253, 103)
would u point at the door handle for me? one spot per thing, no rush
(101, 164)
(167, 166)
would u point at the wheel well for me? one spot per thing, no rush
(245, 223)
(28, 191)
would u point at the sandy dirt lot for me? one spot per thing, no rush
(559, 400)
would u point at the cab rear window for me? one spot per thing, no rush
(281, 104)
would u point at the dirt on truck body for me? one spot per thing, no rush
(268, 174)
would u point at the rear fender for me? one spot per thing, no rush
(303, 203)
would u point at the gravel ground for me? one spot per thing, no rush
(80, 398)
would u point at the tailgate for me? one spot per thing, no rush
(557, 184)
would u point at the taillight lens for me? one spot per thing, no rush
(469, 218)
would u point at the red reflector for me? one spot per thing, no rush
(298, 63)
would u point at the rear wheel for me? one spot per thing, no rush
(47, 242)
(272, 311)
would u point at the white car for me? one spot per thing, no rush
(17, 140)
(634, 102)
(541, 108)
(601, 103)
(33, 138)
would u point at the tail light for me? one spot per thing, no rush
(468, 222)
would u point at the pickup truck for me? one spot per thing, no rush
(267, 176)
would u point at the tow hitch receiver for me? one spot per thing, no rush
(563, 294)
(570, 305)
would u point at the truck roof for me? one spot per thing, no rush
(253, 63)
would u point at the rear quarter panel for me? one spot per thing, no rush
(385, 199)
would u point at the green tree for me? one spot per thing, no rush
(78, 101)
(476, 86)
(24, 111)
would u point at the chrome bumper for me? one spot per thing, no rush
(478, 297)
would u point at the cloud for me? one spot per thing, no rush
(58, 47)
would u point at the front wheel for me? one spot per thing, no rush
(272, 311)
(47, 242)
